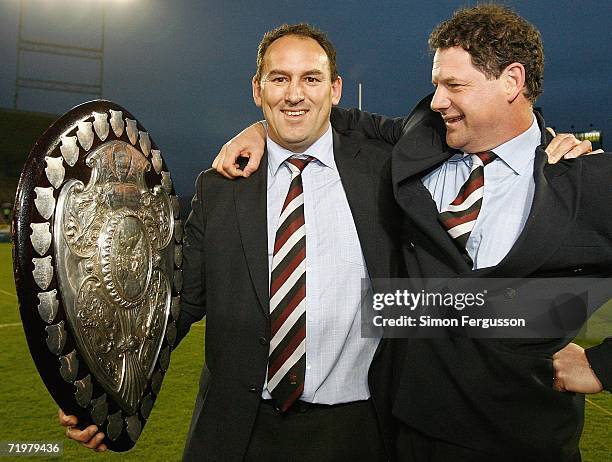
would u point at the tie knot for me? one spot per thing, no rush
(299, 164)
(484, 157)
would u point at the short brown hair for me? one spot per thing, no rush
(495, 37)
(302, 30)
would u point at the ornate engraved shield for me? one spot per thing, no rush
(97, 265)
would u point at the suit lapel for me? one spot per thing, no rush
(356, 177)
(250, 197)
(422, 148)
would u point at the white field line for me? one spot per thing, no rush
(12, 324)
(8, 293)
(602, 409)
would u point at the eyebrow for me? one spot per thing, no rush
(310, 72)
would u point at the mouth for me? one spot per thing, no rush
(449, 121)
(294, 113)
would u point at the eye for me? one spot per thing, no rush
(311, 79)
(279, 79)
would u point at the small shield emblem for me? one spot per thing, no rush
(116, 122)
(40, 237)
(145, 143)
(43, 271)
(101, 125)
(132, 131)
(166, 182)
(178, 231)
(56, 337)
(47, 305)
(55, 171)
(156, 159)
(85, 135)
(178, 255)
(44, 201)
(70, 150)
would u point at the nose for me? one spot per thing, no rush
(440, 100)
(295, 93)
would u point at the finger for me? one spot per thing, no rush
(67, 420)
(233, 171)
(583, 147)
(557, 385)
(252, 165)
(82, 436)
(101, 448)
(95, 441)
(218, 162)
(230, 156)
(557, 151)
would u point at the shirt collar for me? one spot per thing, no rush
(322, 150)
(519, 152)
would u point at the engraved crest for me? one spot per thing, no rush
(85, 135)
(55, 170)
(156, 160)
(40, 237)
(100, 125)
(116, 122)
(145, 143)
(47, 305)
(116, 227)
(44, 201)
(43, 271)
(70, 150)
(132, 131)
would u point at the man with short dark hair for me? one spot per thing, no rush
(465, 399)
(287, 373)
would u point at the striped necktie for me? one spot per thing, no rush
(460, 216)
(287, 357)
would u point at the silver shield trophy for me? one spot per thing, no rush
(98, 267)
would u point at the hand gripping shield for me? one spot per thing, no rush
(97, 258)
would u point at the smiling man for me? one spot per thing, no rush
(287, 374)
(479, 200)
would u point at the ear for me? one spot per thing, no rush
(336, 90)
(256, 85)
(514, 81)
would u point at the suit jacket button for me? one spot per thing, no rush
(263, 340)
(253, 389)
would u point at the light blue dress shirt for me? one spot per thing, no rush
(337, 357)
(508, 193)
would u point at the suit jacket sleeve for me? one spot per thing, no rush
(600, 359)
(373, 126)
(193, 295)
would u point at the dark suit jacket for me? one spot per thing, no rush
(226, 279)
(495, 395)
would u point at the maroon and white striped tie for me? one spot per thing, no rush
(460, 216)
(287, 357)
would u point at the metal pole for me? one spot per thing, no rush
(19, 38)
(359, 104)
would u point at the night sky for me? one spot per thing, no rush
(183, 68)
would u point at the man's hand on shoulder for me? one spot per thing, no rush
(90, 437)
(249, 143)
(567, 146)
(573, 371)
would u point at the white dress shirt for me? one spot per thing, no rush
(508, 193)
(337, 357)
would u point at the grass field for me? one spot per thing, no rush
(28, 413)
